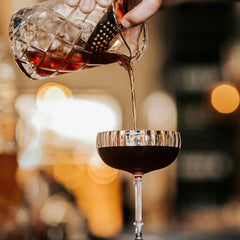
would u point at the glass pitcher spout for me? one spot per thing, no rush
(51, 38)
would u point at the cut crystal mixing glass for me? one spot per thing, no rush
(51, 38)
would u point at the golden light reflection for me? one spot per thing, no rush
(99, 172)
(225, 98)
(101, 203)
(52, 91)
(71, 175)
(105, 225)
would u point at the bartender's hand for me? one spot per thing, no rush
(144, 10)
(139, 14)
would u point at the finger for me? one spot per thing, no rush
(104, 3)
(141, 13)
(72, 3)
(87, 6)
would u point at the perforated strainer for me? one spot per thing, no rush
(104, 33)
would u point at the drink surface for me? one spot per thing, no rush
(141, 159)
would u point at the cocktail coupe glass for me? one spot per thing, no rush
(138, 152)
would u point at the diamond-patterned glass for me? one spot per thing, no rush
(20, 48)
(69, 32)
(78, 17)
(64, 10)
(44, 38)
(60, 48)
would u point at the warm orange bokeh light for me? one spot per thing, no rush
(225, 98)
(97, 174)
(100, 172)
(53, 90)
(71, 175)
(102, 205)
(106, 221)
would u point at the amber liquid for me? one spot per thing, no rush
(133, 95)
(47, 64)
(138, 159)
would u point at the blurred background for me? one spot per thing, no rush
(53, 184)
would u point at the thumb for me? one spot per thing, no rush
(141, 13)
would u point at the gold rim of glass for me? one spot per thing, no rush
(122, 138)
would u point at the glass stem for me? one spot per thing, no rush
(138, 206)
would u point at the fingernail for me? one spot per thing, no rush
(85, 6)
(126, 23)
(104, 3)
(72, 3)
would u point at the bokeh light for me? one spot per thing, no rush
(71, 175)
(100, 172)
(106, 225)
(160, 111)
(53, 91)
(101, 203)
(74, 118)
(231, 62)
(54, 210)
(225, 98)
(63, 127)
